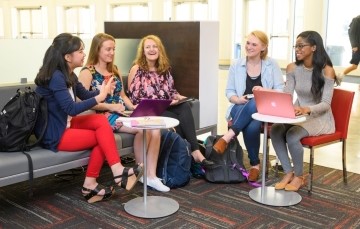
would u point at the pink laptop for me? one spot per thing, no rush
(275, 103)
(150, 107)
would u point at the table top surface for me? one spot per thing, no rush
(169, 122)
(277, 119)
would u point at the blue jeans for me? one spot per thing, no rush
(242, 121)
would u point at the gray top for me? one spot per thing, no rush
(321, 120)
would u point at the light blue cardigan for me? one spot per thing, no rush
(271, 78)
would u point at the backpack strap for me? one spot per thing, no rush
(31, 173)
(233, 152)
(209, 142)
(165, 150)
(44, 118)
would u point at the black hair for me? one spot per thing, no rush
(54, 59)
(320, 60)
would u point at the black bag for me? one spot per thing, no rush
(228, 166)
(18, 119)
(174, 160)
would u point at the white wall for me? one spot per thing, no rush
(22, 58)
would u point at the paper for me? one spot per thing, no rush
(148, 122)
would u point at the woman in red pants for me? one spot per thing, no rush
(65, 131)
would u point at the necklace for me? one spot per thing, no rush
(308, 69)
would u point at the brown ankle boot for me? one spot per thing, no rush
(253, 174)
(220, 146)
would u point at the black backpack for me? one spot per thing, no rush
(174, 160)
(228, 167)
(18, 119)
(17, 122)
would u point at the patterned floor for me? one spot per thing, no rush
(59, 204)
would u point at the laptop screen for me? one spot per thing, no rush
(151, 107)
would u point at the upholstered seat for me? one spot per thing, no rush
(341, 108)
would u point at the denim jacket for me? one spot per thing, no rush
(271, 78)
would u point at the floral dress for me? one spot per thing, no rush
(151, 85)
(96, 82)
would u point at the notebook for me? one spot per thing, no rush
(148, 122)
(149, 107)
(184, 100)
(275, 103)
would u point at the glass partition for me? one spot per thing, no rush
(125, 53)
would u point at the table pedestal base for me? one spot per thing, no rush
(155, 207)
(270, 196)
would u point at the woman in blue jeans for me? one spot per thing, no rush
(254, 72)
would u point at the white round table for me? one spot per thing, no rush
(268, 195)
(150, 206)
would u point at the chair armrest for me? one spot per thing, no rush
(195, 109)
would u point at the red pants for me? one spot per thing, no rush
(91, 131)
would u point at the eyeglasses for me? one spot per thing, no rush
(300, 46)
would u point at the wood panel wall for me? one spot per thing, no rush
(181, 41)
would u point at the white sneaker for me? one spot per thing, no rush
(339, 77)
(156, 184)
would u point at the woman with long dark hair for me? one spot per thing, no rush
(311, 77)
(66, 131)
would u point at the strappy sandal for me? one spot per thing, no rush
(92, 196)
(128, 181)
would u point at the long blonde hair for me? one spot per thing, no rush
(96, 44)
(263, 39)
(162, 63)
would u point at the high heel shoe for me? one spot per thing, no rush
(295, 188)
(92, 195)
(220, 146)
(128, 181)
(281, 185)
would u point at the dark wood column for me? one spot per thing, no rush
(182, 44)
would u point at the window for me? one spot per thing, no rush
(337, 39)
(1, 23)
(256, 15)
(280, 35)
(275, 18)
(131, 12)
(29, 22)
(238, 28)
(79, 21)
(191, 10)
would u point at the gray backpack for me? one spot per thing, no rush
(228, 167)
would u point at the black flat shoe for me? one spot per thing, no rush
(206, 163)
